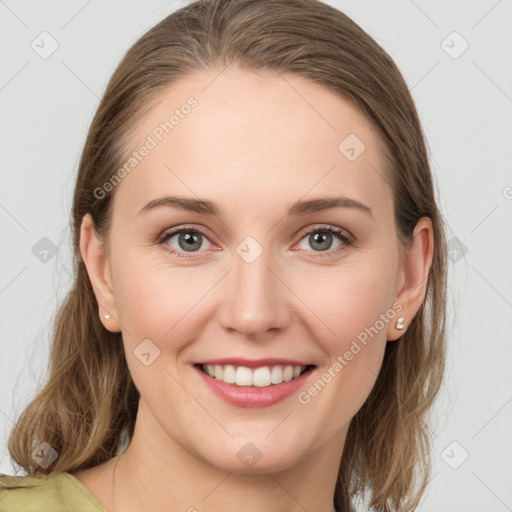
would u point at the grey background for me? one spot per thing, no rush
(466, 108)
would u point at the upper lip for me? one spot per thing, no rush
(255, 363)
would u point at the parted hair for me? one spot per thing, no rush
(88, 403)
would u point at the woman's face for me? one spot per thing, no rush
(259, 283)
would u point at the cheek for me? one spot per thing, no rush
(157, 303)
(153, 295)
(353, 308)
(348, 301)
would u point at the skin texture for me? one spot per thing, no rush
(255, 143)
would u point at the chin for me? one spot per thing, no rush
(255, 455)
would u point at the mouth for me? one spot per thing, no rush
(253, 383)
(261, 377)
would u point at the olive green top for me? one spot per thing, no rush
(56, 492)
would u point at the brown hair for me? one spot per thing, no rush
(89, 401)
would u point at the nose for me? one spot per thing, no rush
(254, 299)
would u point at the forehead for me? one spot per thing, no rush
(242, 137)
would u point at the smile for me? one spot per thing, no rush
(262, 377)
(259, 383)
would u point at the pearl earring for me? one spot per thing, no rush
(400, 322)
(107, 316)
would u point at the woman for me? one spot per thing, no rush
(257, 317)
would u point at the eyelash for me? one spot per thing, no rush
(337, 232)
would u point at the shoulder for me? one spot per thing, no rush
(55, 492)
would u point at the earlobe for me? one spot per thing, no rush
(416, 267)
(98, 269)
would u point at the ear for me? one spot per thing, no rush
(98, 268)
(414, 273)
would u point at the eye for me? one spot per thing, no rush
(189, 240)
(321, 238)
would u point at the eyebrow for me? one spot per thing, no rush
(208, 207)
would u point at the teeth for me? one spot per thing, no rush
(276, 376)
(288, 373)
(259, 377)
(243, 376)
(229, 374)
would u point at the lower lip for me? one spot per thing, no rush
(253, 396)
